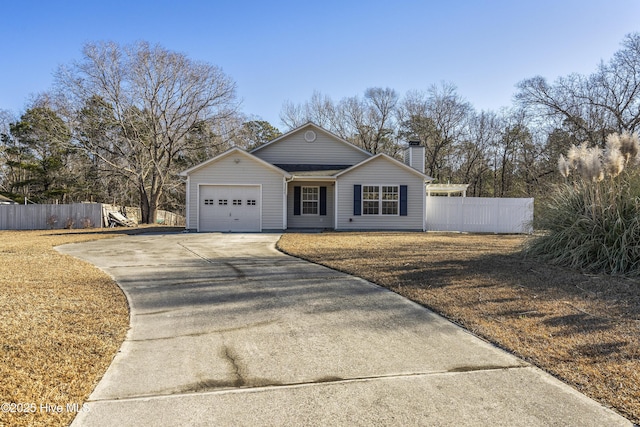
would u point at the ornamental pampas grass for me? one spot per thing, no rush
(577, 155)
(629, 146)
(592, 165)
(563, 166)
(585, 161)
(614, 161)
(593, 224)
(613, 141)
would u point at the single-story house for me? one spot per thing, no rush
(307, 178)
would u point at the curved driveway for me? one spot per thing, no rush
(225, 330)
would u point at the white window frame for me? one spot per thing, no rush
(374, 201)
(316, 201)
(381, 200)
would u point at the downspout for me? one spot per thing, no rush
(424, 204)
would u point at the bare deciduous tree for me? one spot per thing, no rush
(153, 102)
(320, 110)
(368, 122)
(591, 107)
(438, 118)
(473, 154)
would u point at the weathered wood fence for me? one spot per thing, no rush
(162, 217)
(480, 214)
(76, 215)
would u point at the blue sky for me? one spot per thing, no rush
(279, 51)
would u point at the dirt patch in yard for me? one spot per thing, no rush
(584, 329)
(62, 323)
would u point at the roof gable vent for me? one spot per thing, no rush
(309, 136)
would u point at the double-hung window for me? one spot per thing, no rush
(370, 200)
(389, 200)
(310, 200)
(380, 199)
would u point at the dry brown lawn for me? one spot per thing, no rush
(584, 329)
(62, 323)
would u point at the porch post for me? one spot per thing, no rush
(335, 206)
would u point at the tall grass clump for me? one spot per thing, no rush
(592, 221)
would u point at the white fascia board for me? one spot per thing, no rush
(234, 150)
(317, 128)
(389, 158)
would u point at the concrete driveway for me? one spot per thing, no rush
(225, 330)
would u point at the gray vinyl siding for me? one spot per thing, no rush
(247, 171)
(326, 149)
(414, 157)
(381, 171)
(311, 221)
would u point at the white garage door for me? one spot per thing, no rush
(229, 208)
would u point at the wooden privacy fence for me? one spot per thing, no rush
(170, 219)
(42, 217)
(480, 214)
(76, 215)
(162, 217)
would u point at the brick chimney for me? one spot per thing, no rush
(414, 155)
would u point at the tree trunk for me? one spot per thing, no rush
(149, 205)
(144, 208)
(153, 209)
(145, 205)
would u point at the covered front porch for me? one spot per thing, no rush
(311, 203)
(311, 196)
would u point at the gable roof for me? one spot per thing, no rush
(316, 128)
(388, 158)
(234, 150)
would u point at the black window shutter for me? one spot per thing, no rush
(323, 200)
(403, 200)
(296, 200)
(357, 199)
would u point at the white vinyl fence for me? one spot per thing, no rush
(480, 214)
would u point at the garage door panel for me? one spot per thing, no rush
(229, 208)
